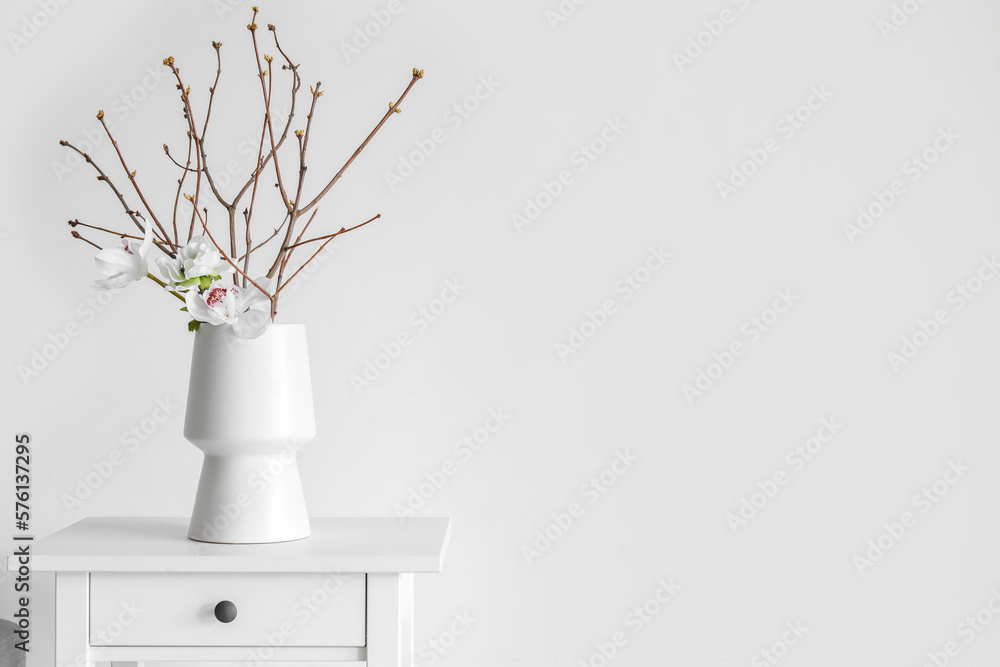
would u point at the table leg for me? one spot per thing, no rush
(390, 620)
(72, 620)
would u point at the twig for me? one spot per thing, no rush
(304, 141)
(296, 84)
(192, 133)
(267, 116)
(269, 238)
(303, 138)
(301, 234)
(204, 226)
(74, 223)
(166, 149)
(299, 210)
(75, 234)
(211, 91)
(246, 257)
(121, 198)
(332, 236)
(180, 186)
(284, 262)
(248, 212)
(393, 108)
(131, 177)
(204, 131)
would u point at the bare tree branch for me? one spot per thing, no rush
(75, 234)
(180, 186)
(267, 114)
(204, 226)
(101, 176)
(330, 238)
(75, 223)
(131, 178)
(393, 108)
(338, 233)
(296, 84)
(276, 231)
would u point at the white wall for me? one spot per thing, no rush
(682, 130)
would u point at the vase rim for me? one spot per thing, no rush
(272, 325)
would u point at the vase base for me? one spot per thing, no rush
(249, 500)
(294, 539)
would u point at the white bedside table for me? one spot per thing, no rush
(136, 589)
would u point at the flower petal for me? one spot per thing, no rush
(252, 324)
(253, 298)
(111, 261)
(200, 310)
(147, 242)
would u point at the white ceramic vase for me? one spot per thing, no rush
(250, 409)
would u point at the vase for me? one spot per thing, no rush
(249, 410)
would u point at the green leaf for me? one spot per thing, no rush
(184, 309)
(193, 325)
(206, 282)
(190, 282)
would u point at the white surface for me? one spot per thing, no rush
(178, 609)
(390, 620)
(250, 410)
(249, 393)
(210, 656)
(493, 347)
(72, 607)
(147, 544)
(120, 613)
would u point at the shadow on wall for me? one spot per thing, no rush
(9, 655)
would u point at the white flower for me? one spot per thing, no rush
(124, 265)
(199, 258)
(248, 310)
(216, 305)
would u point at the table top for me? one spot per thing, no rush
(155, 544)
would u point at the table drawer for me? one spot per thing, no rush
(178, 609)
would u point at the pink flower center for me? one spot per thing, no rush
(215, 295)
(125, 246)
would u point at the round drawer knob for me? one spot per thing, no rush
(225, 611)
